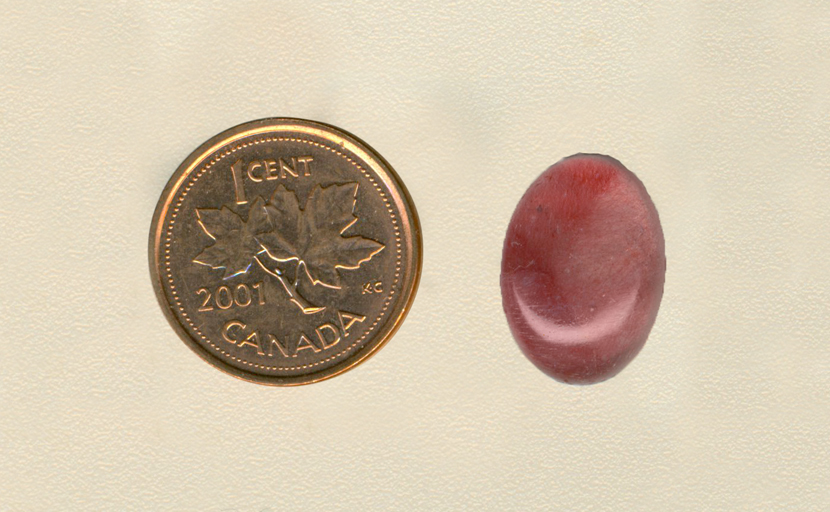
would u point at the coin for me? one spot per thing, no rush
(285, 251)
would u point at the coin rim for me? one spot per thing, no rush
(411, 271)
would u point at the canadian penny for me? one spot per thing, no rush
(285, 251)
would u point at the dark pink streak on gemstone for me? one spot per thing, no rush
(583, 269)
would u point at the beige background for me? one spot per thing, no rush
(721, 108)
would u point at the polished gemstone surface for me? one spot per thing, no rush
(583, 268)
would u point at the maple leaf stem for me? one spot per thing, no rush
(297, 273)
(291, 289)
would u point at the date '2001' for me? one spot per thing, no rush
(226, 297)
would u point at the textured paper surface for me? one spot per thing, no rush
(721, 108)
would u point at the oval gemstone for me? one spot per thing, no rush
(583, 268)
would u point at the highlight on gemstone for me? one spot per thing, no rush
(583, 268)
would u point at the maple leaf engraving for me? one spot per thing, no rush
(314, 235)
(235, 243)
(305, 242)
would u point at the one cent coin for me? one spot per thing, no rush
(285, 251)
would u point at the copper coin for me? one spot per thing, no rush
(285, 251)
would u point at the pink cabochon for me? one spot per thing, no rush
(583, 268)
